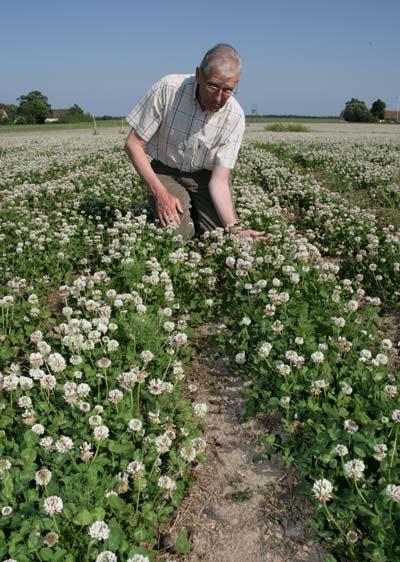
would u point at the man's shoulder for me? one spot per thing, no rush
(176, 80)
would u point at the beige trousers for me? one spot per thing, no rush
(199, 214)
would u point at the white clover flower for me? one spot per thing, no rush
(115, 396)
(351, 306)
(166, 483)
(56, 362)
(200, 409)
(138, 558)
(365, 355)
(240, 358)
(354, 469)
(64, 444)
(282, 368)
(95, 420)
(386, 344)
(346, 389)
(48, 382)
(6, 510)
(36, 359)
(380, 359)
(135, 424)
(380, 451)
(391, 390)
(393, 492)
(352, 537)
(245, 321)
(43, 477)
(351, 426)
(396, 416)
(51, 539)
(44, 348)
(75, 360)
(299, 341)
(264, 350)
(106, 556)
(135, 469)
(188, 453)
(317, 357)
(163, 443)
(146, 356)
(322, 490)
(104, 363)
(47, 444)
(38, 429)
(53, 505)
(99, 530)
(339, 322)
(101, 433)
(83, 390)
(86, 452)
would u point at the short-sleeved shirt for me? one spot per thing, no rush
(179, 133)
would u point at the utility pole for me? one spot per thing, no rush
(397, 109)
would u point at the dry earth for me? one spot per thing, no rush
(239, 510)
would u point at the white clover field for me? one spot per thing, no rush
(99, 308)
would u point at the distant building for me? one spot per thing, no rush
(55, 115)
(391, 115)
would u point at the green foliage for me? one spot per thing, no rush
(287, 128)
(378, 109)
(33, 108)
(75, 110)
(75, 118)
(357, 112)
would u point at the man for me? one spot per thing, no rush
(192, 127)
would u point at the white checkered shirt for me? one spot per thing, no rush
(179, 133)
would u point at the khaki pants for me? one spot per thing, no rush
(191, 188)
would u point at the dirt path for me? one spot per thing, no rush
(239, 510)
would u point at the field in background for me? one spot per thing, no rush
(49, 127)
(98, 309)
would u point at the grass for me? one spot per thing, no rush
(60, 126)
(287, 128)
(260, 119)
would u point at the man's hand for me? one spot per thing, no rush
(248, 233)
(168, 208)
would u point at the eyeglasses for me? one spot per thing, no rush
(225, 91)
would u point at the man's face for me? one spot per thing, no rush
(214, 90)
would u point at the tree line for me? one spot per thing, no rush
(34, 108)
(358, 112)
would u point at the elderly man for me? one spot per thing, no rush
(192, 127)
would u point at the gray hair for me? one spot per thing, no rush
(222, 57)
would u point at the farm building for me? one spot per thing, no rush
(55, 115)
(392, 115)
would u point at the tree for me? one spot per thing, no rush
(75, 110)
(356, 111)
(34, 107)
(378, 109)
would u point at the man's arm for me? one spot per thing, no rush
(221, 196)
(168, 206)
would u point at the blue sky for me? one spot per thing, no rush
(301, 57)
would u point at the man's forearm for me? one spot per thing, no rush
(221, 196)
(134, 148)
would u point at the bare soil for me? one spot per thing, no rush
(239, 510)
